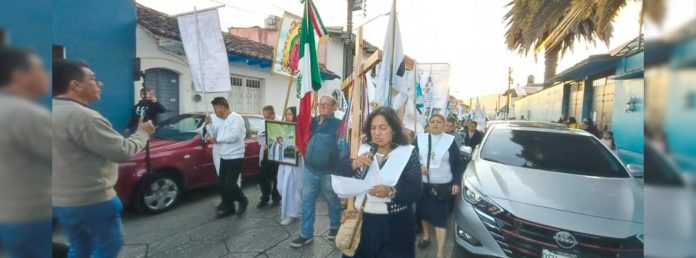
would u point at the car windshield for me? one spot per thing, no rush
(179, 128)
(558, 152)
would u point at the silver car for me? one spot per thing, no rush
(541, 190)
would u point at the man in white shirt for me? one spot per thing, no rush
(229, 139)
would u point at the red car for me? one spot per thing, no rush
(180, 160)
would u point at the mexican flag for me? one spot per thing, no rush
(309, 75)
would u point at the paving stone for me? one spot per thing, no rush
(193, 248)
(317, 249)
(257, 239)
(133, 251)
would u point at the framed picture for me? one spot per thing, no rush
(280, 142)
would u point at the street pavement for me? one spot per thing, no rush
(191, 230)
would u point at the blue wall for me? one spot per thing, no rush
(103, 34)
(628, 126)
(28, 24)
(681, 109)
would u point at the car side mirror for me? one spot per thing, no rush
(635, 170)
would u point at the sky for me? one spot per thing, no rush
(467, 34)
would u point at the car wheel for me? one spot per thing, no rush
(158, 194)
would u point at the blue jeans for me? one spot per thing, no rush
(26, 239)
(312, 183)
(93, 230)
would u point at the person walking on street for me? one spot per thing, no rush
(268, 181)
(148, 107)
(473, 136)
(229, 138)
(442, 167)
(290, 181)
(86, 150)
(320, 162)
(388, 218)
(451, 129)
(25, 159)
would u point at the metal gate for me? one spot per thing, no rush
(575, 100)
(245, 96)
(166, 86)
(603, 104)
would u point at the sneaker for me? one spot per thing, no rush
(287, 221)
(332, 234)
(301, 241)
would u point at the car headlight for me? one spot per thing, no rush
(475, 198)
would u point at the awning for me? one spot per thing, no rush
(595, 66)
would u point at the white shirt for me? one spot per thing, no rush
(230, 136)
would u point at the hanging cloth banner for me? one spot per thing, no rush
(205, 51)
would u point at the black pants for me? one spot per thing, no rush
(229, 190)
(268, 181)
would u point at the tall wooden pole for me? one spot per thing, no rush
(356, 98)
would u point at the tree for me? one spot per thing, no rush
(555, 25)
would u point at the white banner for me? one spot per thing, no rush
(205, 51)
(434, 78)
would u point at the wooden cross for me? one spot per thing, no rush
(354, 82)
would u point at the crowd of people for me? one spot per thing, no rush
(424, 170)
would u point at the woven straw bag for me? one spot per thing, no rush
(348, 237)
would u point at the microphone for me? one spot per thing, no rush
(373, 152)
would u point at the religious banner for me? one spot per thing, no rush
(286, 52)
(434, 82)
(205, 51)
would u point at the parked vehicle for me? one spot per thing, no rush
(180, 160)
(539, 190)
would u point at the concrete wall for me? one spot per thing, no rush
(103, 34)
(545, 105)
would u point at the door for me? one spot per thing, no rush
(603, 104)
(166, 86)
(575, 101)
(245, 96)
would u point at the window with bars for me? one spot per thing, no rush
(251, 83)
(236, 81)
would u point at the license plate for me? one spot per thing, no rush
(551, 254)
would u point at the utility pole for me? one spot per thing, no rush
(507, 110)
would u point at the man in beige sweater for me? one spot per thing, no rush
(25, 156)
(86, 150)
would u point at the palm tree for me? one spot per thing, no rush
(555, 25)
